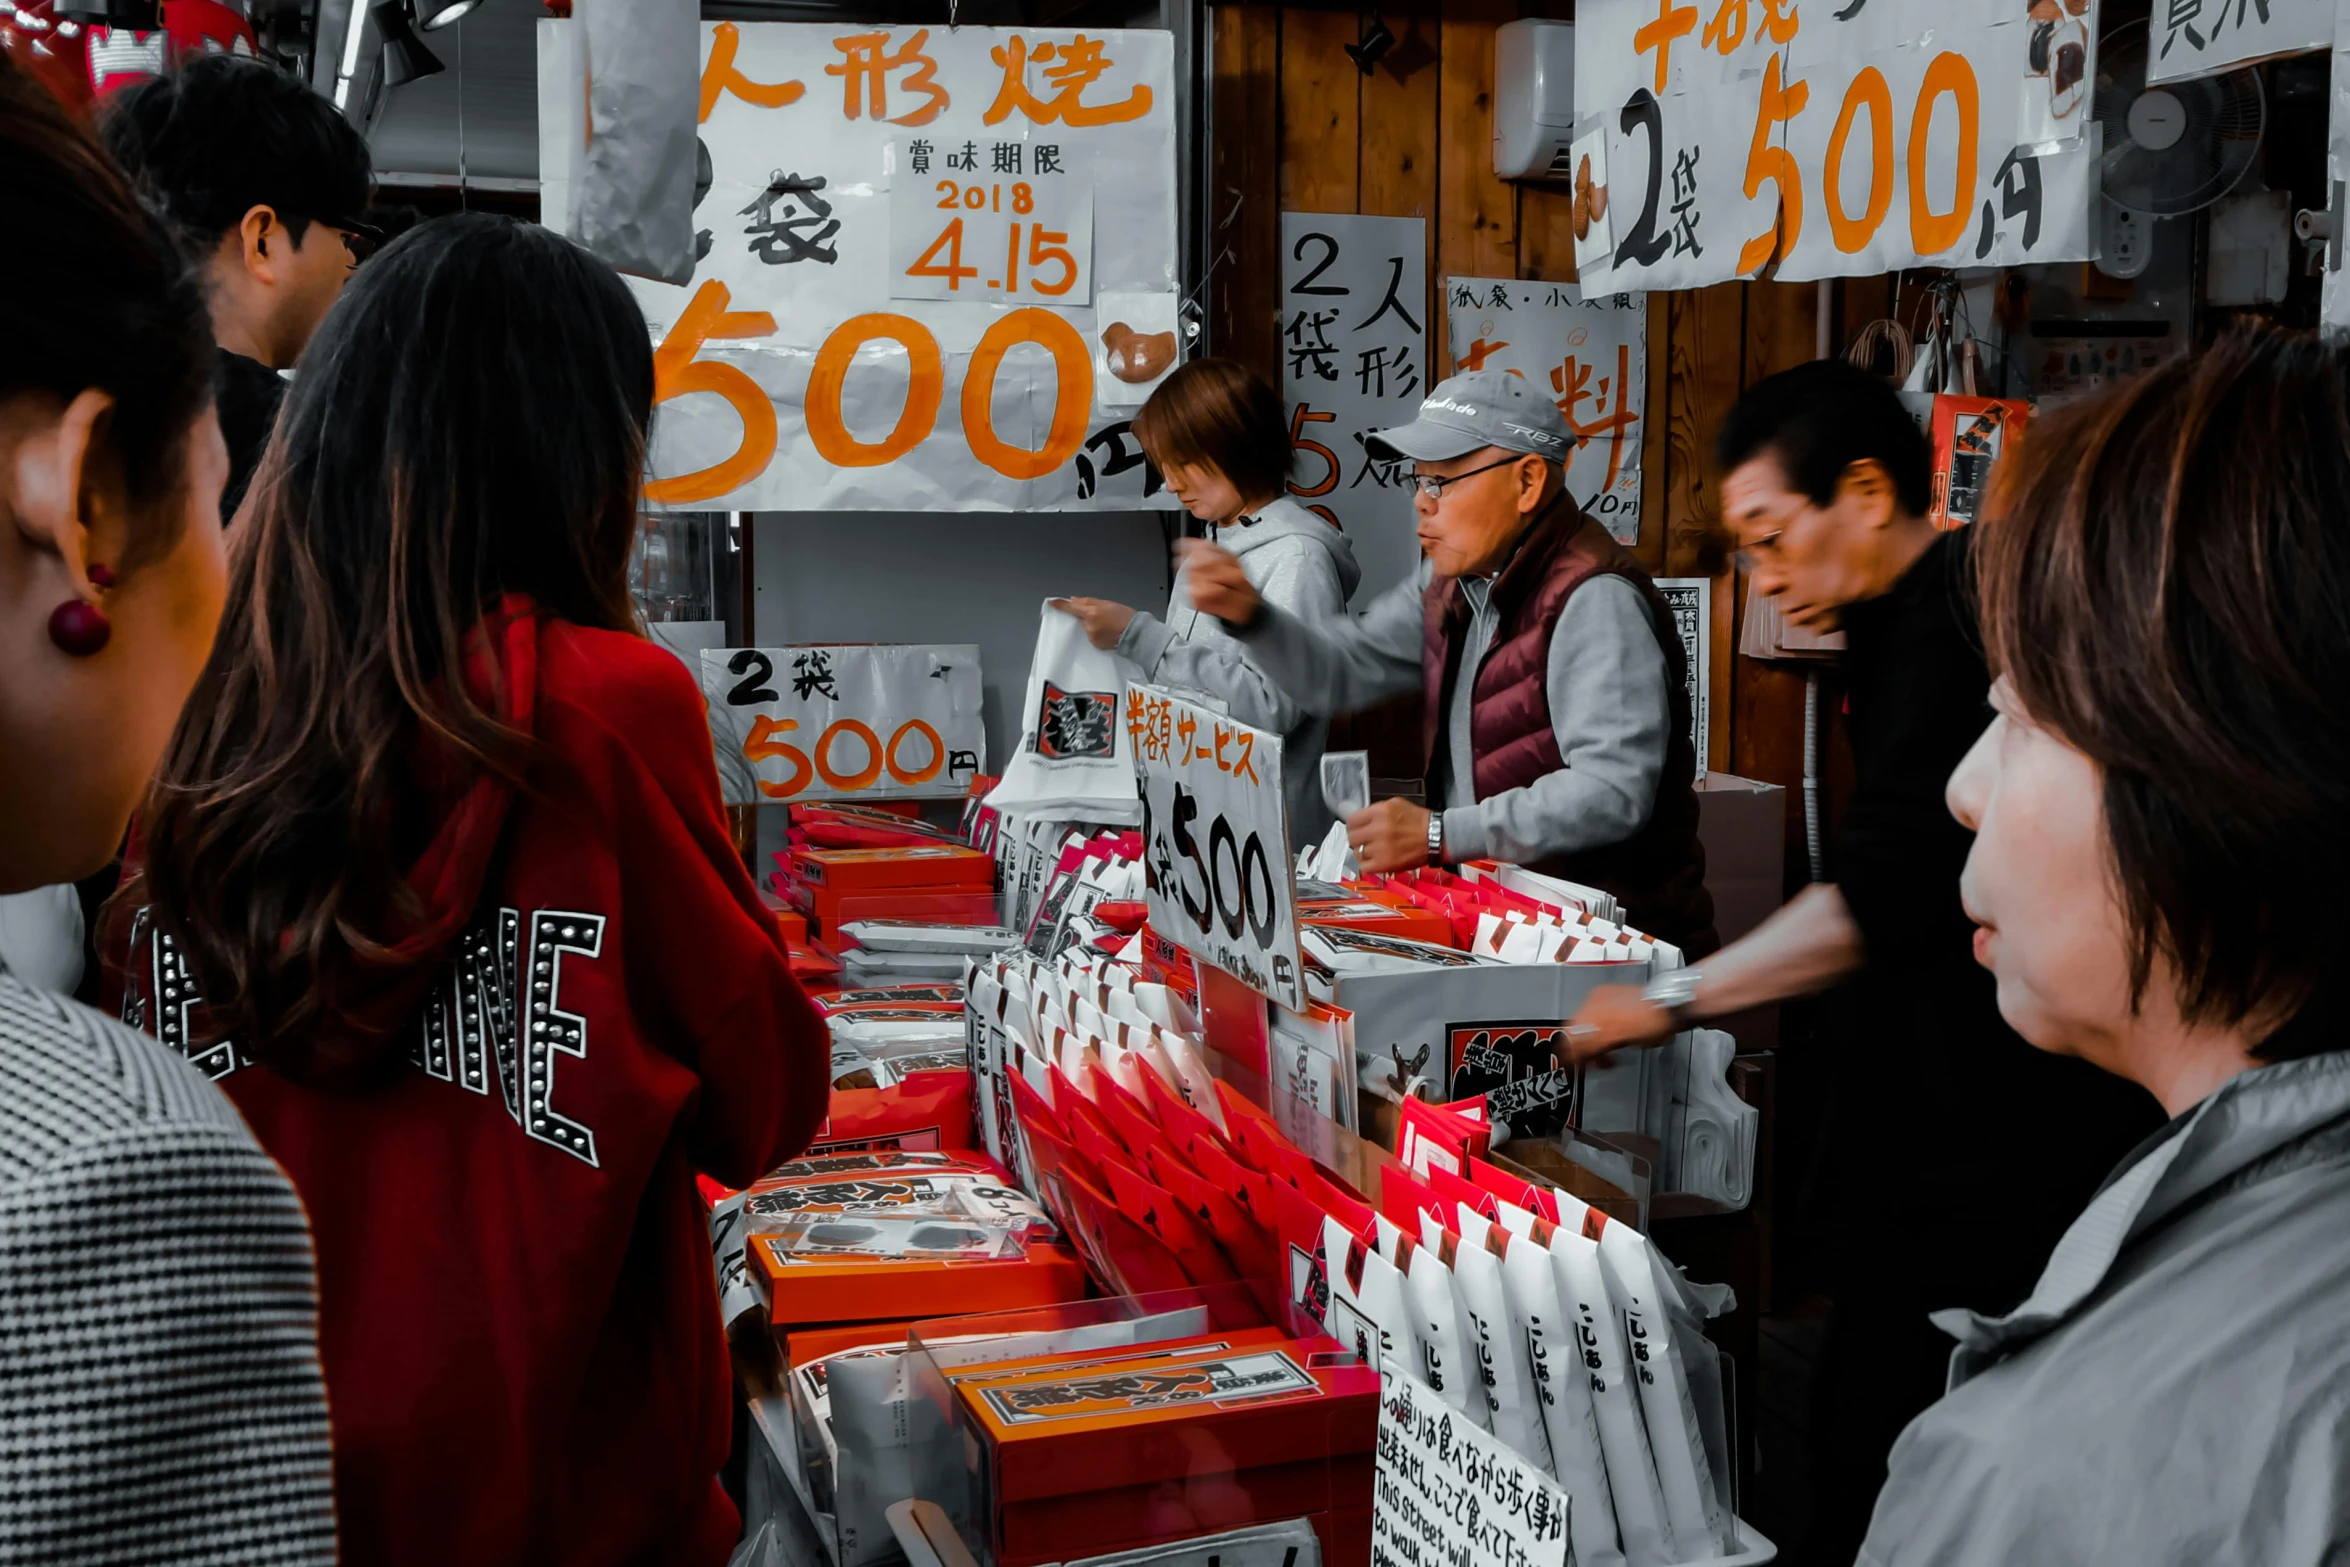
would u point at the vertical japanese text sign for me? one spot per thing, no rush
(1215, 847)
(871, 721)
(916, 248)
(2189, 38)
(1589, 354)
(1691, 601)
(1354, 338)
(1834, 139)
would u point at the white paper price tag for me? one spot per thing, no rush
(1448, 1492)
(1215, 847)
(875, 722)
(992, 220)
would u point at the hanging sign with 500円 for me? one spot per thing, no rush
(1835, 137)
(935, 270)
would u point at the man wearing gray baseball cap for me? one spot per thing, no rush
(1556, 730)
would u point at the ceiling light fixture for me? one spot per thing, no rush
(434, 15)
(405, 58)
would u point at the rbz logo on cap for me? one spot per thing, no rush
(1435, 403)
(1544, 436)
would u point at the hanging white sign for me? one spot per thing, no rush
(1837, 141)
(1354, 357)
(904, 245)
(1445, 1491)
(1215, 844)
(1589, 353)
(2190, 38)
(872, 721)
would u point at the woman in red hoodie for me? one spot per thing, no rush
(436, 883)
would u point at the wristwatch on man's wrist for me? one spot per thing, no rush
(1436, 837)
(1675, 993)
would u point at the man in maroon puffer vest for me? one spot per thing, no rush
(1556, 731)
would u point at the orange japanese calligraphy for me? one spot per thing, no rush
(1474, 356)
(865, 64)
(1150, 723)
(1070, 68)
(1672, 22)
(1767, 160)
(1572, 381)
(676, 372)
(721, 76)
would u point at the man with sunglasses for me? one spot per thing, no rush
(263, 183)
(1556, 725)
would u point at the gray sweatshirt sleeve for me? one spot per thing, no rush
(1301, 581)
(1342, 662)
(1609, 710)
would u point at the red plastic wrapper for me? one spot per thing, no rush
(927, 1110)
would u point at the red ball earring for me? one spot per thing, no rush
(78, 628)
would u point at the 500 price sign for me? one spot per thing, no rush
(1002, 220)
(1216, 863)
(879, 721)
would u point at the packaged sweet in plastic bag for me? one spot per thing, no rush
(1367, 1311)
(1642, 1517)
(1561, 1379)
(1448, 1358)
(1675, 1438)
(1501, 1351)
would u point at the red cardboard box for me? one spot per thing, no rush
(806, 1293)
(931, 905)
(936, 867)
(1080, 1459)
(1385, 916)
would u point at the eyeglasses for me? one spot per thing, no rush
(1433, 485)
(362, 240)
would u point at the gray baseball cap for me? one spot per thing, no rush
(1478, 409)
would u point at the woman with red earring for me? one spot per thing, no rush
(158, 1402)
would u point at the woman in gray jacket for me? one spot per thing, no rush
(2157, 877)
(1214, 429)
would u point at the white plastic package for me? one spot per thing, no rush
(1676, 1440)
(1642, 1519)
(1368, 1313)
(1563, 1379)
(1501, 1351)
(1448, 1360)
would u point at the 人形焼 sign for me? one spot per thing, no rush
(936, 268)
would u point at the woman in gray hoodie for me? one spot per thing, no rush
(1215, 431)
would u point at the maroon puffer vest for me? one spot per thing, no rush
(1657, 874)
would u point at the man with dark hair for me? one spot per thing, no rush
(1957, 1153)
(263, 182)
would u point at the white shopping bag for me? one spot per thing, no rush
(1075, 760)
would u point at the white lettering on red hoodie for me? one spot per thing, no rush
(518, 1312)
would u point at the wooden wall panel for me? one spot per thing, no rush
(1478, 223)
(1546, 233)
(1708, 337)
(1398, 176)
(1782, 326)
(1321, 134)
(1245, 295)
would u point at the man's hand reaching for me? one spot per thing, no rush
(1218, 586)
